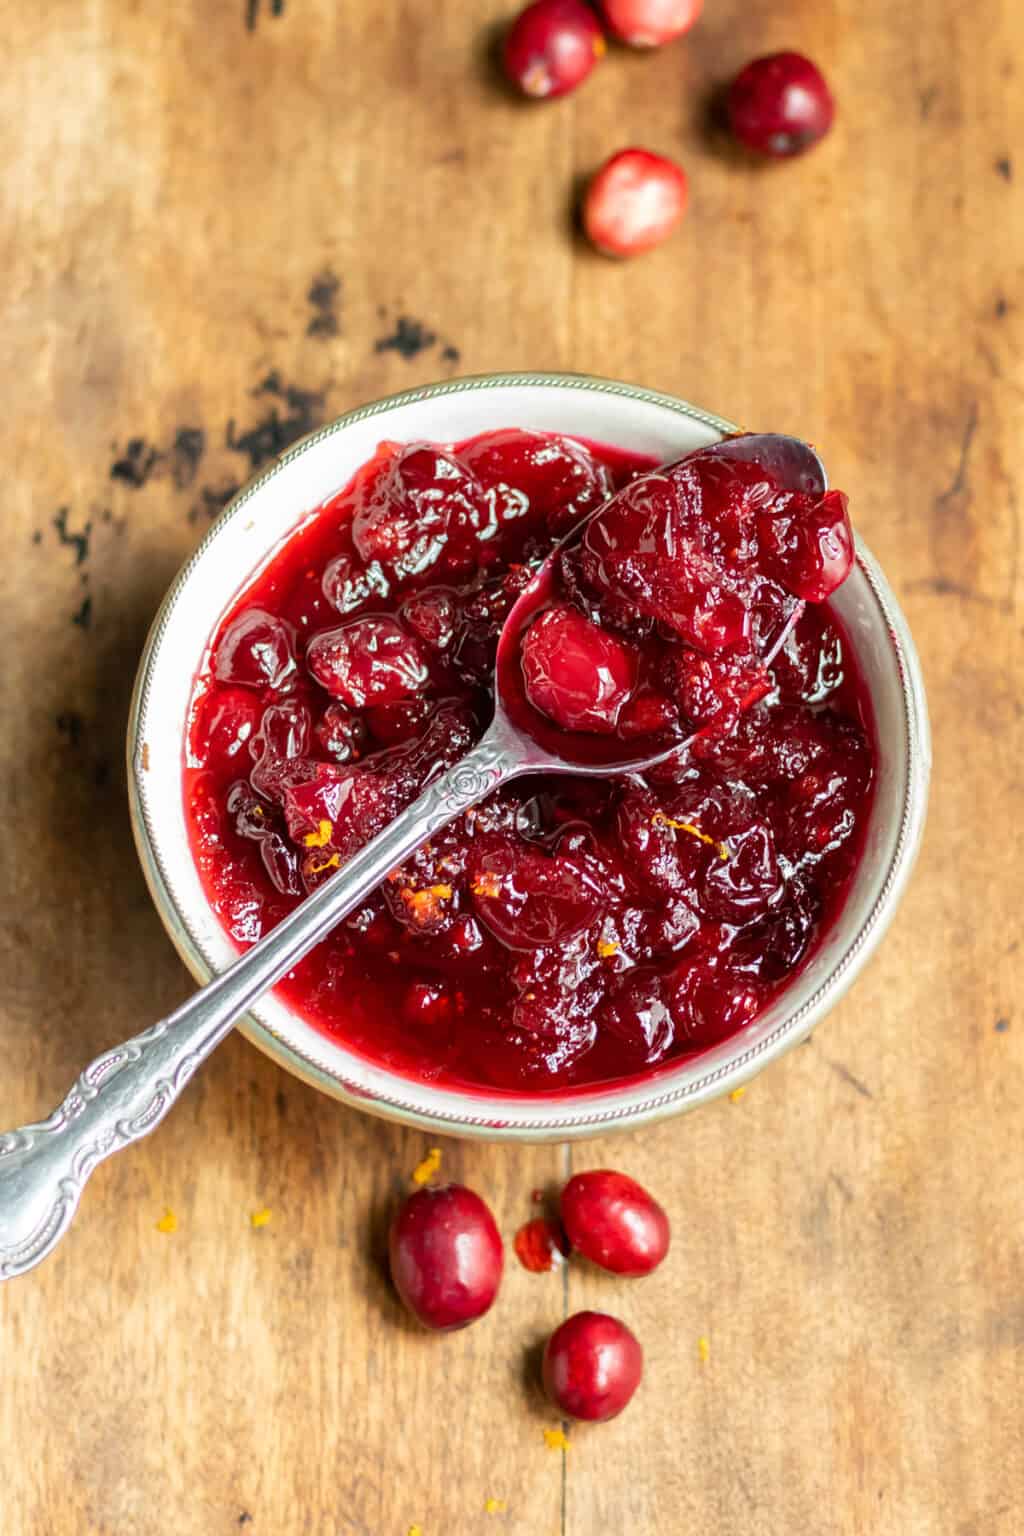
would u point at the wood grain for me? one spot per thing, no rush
(214, 219)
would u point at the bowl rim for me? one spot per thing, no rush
(501, 1117)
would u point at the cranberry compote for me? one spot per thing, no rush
(566, 931)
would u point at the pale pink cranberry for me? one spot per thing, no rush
(370, 661)
(256, 651)
(780, 105)
(634, 202)
(614, 1222)
(552, 46)
(649, 23)
(577, 674)
(592, 1366)
(446, 1256)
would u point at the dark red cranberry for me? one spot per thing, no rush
(808, 545)
(560, 480)
(592, 1366)
(402, 721)
(780, 105)
(552, 46)
(341, 734)
(370, 661)
(446, 1256)
(576, 673)
(432, 616)
(423, 515)
(349, 586)
(634, 202)
(636, 1012)
(614, 1222)
(255, 650)
(530, 899)
(649, 23)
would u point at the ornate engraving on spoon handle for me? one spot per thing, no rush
(118, 1099)
(124, 1093)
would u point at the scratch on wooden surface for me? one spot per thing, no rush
(959, 484)
(848, 1078)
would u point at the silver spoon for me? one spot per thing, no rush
(125, 1093)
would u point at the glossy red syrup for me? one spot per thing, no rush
(567, 932)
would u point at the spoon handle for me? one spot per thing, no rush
(124, 1093)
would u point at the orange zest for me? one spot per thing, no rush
(425, 905)
(487, 884)
(428, 1167)
(661, 820)
(556, 1440)
(332, 863)
(321, 837)
(704, 1349)
(494, 1506)
(260, 1218)
(168, 1222)
(606, 948)
(736, 1095)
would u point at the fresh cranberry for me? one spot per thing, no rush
(370, 661)
(592, 1366)
(614, 1222)
(552, 46)
(576, 673)
(446, 1256)
(540, 1246)
(780, 105)
(649, 23)
(808, 545)
(255, 650)
(634, 202)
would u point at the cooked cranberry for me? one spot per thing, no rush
(575, 672)
(552, 46)
(614, 1222)
(423, 515)
(349, 586)
(370, 661)
(446, 1256)
(745, 879)
(634, 202)
(255, 651)
(592, 1366)
(401, 721)
(649, 23)
(432, 616)
(531, 900)
(224, 727)
(707, 1004)
(341, 734)
(636, 1012)
(780, 105)
(541, 1246)
(808, 545)
(559, 480)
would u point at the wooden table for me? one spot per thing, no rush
(224, 222)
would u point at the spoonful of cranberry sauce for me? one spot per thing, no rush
(652, 623)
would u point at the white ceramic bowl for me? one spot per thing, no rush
(241, 541)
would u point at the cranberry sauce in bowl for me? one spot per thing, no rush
(567, 932)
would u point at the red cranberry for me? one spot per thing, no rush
(575, 673)
(649, 23)
(348, 586)
(370, 661)
(255, 651)
(433, 617)
(614, 1222)
(224, 727)
(560, 479)
(446, 1256)
(635, 1011)
(531, 900)
(401, 721)
(552, 46)
(341, 735)
(423, 514)
(540, 1246)
(780, 105)
(808, 545)
(592, 1366)
(634, 202)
